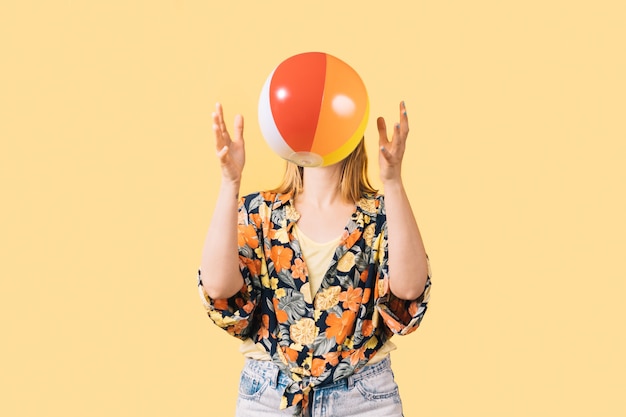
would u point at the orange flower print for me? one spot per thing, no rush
(332, 358)
(237, 328)
(247, 236)
(318, 366)
(297, 398)
(349, 240)
(392, 324)
(264, 330)
(397, 306)
(280, 234)
(290, 353)
(298, 270)
(367, 328)
(297, 325)
(254, 265)
(351, 298)
(413, 309)
(256, 219)
(281, 316)
(221, 304)
(357, 355)
(248, 307)
(366, 295)
(281, 257)
(339, 327)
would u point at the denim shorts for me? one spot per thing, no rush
(371, 392)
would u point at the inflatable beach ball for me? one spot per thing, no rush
(313, 109)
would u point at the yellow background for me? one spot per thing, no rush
(515, 169)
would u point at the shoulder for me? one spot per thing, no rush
(372, 204)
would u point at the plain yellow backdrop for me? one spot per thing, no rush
(515, 170)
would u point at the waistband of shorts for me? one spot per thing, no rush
(269, 370)
(266, 370)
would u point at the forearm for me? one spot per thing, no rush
(408, 267)
(221, 277)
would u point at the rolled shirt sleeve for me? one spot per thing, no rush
(399, 316)
(235, 314)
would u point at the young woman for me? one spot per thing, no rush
(315, 277)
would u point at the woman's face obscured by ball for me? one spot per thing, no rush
(313, 109)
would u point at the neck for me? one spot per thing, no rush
(320, 186)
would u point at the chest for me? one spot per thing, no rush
(323, 224)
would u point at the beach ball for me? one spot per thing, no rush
(313, 109)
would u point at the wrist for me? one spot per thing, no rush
(393, 183)
(230, 186)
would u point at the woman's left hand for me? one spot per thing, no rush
(392, 152)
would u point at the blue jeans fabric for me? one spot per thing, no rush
(371, 392)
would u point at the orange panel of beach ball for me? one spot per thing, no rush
(313, 109)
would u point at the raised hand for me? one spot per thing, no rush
(392, 152)
(230, 151)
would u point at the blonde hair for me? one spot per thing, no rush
(354, 181)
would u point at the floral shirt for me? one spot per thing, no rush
(315, 338)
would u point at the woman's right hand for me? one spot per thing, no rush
(230, 152)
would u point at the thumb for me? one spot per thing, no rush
(222, 154)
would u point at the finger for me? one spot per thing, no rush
(220, 140)
(403, 124)
(221, 123)
(218, 114)
(396, 138)
(398, 142)
(222, 137)
(385, 153)
(382, 133)
(404, 119)
(238, 128)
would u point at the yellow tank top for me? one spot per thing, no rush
(317, 257)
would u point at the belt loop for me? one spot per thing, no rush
(350, 381)
(274, 375)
